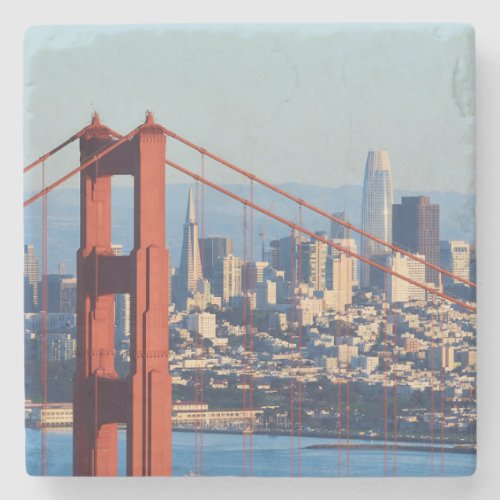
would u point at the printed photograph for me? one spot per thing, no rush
(250, 250)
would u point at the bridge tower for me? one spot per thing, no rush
(142, 400)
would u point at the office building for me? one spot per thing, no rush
(202, 324)
(30, 279)
(454, 256)
(313, 263)
(211, 249)
(227, 278)
(415, 228)
(376, 211)
(190, 267)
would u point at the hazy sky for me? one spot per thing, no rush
(290, 103)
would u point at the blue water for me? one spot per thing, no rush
(223, 456)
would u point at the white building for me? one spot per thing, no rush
(339, 279)
(349, 244)
(203, 324)
(227, 278)
(266, 294)
(400, 290)
(368, 363)
(454, 256)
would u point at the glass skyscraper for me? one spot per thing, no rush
(376, 216)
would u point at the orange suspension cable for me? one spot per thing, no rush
(320, 238)
(83, 166)
(73, 138)
(342, 222)
(260, 181)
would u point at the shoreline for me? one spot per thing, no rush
(425, 443)
(452, 446)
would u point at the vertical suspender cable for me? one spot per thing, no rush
(293, 311)
(253, 280)
(244, 312)
(442, 394)
(197, 403)
(202, 260)
(339, 385)
(347, 390)
(386, 299)
(299, 361)
(395, 392)
(44, 325)
(432, 382)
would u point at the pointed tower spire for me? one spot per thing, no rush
(190, 213)
(190, 268)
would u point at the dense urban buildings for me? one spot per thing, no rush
(303, 300)
(376, 212)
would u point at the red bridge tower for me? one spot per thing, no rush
(142, 400)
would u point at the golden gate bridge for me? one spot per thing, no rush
(143, 400)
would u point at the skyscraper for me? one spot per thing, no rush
(455, 257)
(227, 278)
(338, 231)
(30, 279)
(376, 215)
(349, 244)
(190, 268)
(416, 229)
(287, 256)
(338, 278)
(211, 249)
(399, 290)
(313, 266)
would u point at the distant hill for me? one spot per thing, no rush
(224, 216)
